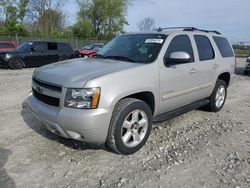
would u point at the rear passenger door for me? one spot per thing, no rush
(179, 83)
(52, 52)
(207, 64)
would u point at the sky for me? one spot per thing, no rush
(230, 17)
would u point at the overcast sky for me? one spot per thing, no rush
(231, 17)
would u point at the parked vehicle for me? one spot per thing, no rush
(35, 54)
(7, 46)
(90, 50)
(136, 79)
(247, 67)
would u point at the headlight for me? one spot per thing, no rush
(82, 98)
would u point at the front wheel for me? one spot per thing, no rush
(218, 97)
(15, 63)
(130, 126)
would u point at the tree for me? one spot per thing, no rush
(12, 16)
(47, 16)
(13, 10)
(107, 17)
(38, 7)
(146, 24)
(50, 21)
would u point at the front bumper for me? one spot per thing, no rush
(90, 126)
(3, 64)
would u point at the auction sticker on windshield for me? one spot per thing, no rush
(159, 41)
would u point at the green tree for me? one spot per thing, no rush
(83, 29)
(13, 13)
(107, 17)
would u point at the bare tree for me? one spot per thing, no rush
(47, 15)
(146, 24)
(38, 7)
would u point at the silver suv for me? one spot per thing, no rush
(136, 79)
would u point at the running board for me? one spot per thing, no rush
(172, 114)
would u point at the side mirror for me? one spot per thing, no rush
(177, 57)
(32, 49)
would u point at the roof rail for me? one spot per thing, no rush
(187, 29)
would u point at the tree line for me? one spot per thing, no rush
(96, 19)
(46, 18)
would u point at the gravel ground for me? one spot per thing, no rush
(197, 149)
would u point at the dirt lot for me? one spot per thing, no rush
(198, 149)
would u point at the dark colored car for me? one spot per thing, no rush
(35, 54)
(90, 50)
(247, 67)
(7, 46)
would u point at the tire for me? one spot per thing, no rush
(246, 72)
(218, 97)
(63, 58)
(16, 63)
(126, 134)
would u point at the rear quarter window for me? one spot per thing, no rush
(224, 46)
(65, 47)
(52, 46)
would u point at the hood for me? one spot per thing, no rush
(75, 73)
(11, 52)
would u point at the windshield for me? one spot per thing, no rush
(25, 46)
(88, 47)
(139, 48)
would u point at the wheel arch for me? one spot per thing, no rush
(145, 96)
(225, 76)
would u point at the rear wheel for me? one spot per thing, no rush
(63, 58)
(218, 97)
(130, 126)
(16, 63)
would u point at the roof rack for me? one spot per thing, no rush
(187, 29)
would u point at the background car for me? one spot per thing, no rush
(247, 68)
(7, 46)
(35, 54)
(90, 50)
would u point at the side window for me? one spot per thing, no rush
(52, 46)
(180, 43)
(38, 46)
(205, 49)
(224, 47)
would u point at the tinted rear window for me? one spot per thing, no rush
(205, 49)
(224, 47)
(6, 45)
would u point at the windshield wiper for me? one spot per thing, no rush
(123, 58)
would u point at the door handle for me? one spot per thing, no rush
(193, 71)
(215, 66)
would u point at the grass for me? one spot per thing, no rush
(242, 53)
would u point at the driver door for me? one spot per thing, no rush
(179, 81)
(37, 55)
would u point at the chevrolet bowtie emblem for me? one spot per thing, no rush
(39, 90)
